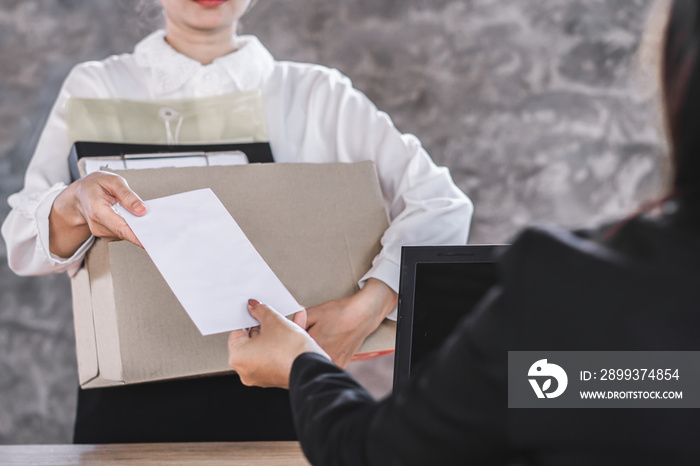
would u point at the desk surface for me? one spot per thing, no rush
(248, 453)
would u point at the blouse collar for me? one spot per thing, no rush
(248, 66)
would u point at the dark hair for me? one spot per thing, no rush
(680, 85)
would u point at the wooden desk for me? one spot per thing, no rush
(243, 453)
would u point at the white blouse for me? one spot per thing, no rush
(313, 115)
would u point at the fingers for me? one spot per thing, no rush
(300, 319)
(313, 315)
(96, 194)
(270, 318)
(237, 337)
(264, 355)
(254, 332)
(261, 312)
(114, 226)
(253, 302)
(119, 189)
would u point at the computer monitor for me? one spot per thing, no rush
(439, 285)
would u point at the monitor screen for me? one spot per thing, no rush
(444, 294)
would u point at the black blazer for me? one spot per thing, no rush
(637, 289)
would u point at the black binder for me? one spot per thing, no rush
(257, 152)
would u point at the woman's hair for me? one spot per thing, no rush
(680, 87)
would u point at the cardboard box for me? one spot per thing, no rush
(318, 226)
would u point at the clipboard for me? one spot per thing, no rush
(255, 152)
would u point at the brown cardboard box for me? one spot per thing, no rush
(318, 226)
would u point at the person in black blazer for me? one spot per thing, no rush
(633, 286)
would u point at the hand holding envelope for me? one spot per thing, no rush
(264, 356)
(208, 262)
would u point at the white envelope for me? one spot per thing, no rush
(208, 262)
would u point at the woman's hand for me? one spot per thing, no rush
(342, 325)
(264, 355)
(84, 208)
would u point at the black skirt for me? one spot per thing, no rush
(209, 409)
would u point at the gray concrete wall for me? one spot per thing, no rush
(529, 103)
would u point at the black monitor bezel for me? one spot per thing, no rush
(411, 257)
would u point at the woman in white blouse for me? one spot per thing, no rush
(313, 114)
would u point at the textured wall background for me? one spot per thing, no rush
(528, 102)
